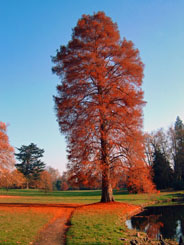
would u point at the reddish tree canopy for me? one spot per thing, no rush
(18, 179)
(11, 179)
(45, 181)
(99, 102)
(6, 150)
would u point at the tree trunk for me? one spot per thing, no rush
(27, 184)
(107, 194)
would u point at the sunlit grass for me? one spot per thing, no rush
(99, 224)
(109, 227)
(89, 227)
(20, 226)
(81, 196)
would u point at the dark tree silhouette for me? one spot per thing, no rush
(29, 161)
(163, 173)
(179, 153)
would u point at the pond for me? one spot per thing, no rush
(167, 221)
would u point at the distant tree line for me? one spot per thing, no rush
(165, 154)
(29, 171)
(36, 174)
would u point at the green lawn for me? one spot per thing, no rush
(84, 196)
(20, 227)
(99, 228)
(99, 224)
(109, 228)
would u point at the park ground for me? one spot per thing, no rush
(72, 217)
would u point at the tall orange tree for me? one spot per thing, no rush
(7, 160)
(99, 102)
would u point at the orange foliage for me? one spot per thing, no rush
(90, 209)
(6, 151)
(153, 230)
(11, 179)
(139, 180)
(18, 179)
(152, 226)
(64, 186)
(110, 208)
(99, 102)
(6, 179)
(45, 181)
(54, 211)
(6, 196)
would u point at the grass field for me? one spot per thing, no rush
(21, 225)
(78, 196)
(90, 224)
(99, 224)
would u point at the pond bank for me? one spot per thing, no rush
(164, 220)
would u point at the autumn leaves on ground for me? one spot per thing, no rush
(96, 223)
(22, 224)
(47, 223)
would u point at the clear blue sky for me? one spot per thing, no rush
(32, 30)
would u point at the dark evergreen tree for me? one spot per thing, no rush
(29, 161)
(179, 153)
(163, 173)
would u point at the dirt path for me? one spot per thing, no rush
(55, 232)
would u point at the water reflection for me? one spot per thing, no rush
(167, 221)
